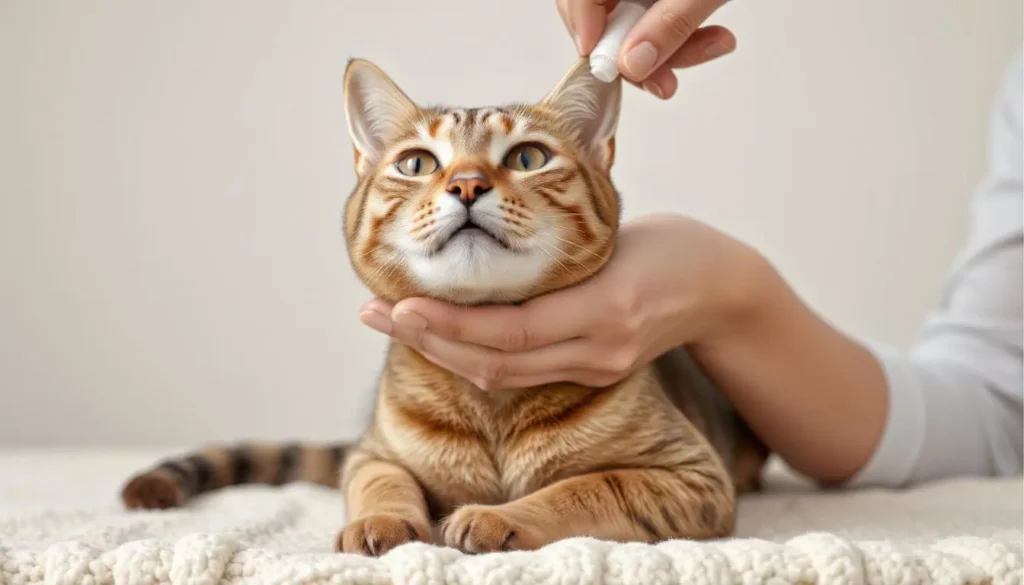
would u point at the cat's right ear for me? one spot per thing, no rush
(591, 107)
(375, 109)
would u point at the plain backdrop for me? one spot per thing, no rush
(172, 175)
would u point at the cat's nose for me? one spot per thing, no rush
(468, 187)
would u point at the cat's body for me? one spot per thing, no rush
(467, 446)
(495, 205)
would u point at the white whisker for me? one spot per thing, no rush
(540, 246)
(584, 248)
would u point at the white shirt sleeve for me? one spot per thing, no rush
(955, 400)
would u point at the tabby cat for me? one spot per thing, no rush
(496, 205)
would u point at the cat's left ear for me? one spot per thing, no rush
(591, 107)
(375, 108)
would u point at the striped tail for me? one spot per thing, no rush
(172, 482)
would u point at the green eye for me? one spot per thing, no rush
(418, 163)
(526, 157)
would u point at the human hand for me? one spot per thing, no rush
(668, 36)
(671, 280)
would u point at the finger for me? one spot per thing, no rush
(486, 367)
(706, 44)
(473, 363)
(492, 369)
(376, 314)
(660, 32)
(662, 83)
(590, 378)
(438, 350)
(589, 18)
(563, 13)
(560, 6)
(539, 322)
(377, 306)
(376, 321)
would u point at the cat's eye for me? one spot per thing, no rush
(417, 163)
(526, 157)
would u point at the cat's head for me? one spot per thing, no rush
(480, 205)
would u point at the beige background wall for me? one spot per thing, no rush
(172, 174)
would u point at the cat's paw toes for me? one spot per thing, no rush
(484, 529)
(376, 535)
(153, 490)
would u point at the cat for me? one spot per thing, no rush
(496, 205)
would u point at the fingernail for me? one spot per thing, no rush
(410, 319)
(640, 60)
(579, 46)
(653, 88)
(376, 321)
(715, 50)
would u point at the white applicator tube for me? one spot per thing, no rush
(604, 59)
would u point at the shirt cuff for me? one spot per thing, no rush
(892, 463)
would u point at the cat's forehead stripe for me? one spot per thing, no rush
(433, 127)
(469, 137)
(454, 132)
(437, 121)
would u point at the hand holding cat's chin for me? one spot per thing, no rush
(671, 281)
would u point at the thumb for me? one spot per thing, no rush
(589, 18)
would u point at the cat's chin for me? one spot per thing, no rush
(474, 269)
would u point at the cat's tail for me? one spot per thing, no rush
(171, 482)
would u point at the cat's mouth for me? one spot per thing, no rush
(470, 231)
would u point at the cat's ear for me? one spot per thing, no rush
(591, 107)
(375, 108)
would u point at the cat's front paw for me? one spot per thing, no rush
(484, 529)
(377, 534)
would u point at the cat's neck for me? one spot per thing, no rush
(411, 374)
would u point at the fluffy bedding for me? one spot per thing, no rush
(60, 522)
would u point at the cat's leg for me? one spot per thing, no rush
(385, 506)
(646, 505)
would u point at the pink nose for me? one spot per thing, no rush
(468, 187)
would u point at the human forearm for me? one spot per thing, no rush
(815, 396)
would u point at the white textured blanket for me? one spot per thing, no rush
(60, 522)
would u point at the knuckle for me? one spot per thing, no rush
(516, 339)
(417, 338)
(491, 374)
(678, 23)
(621, 361)
(456, 330)
(631, 325)
(625, 307)
(409, 337)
